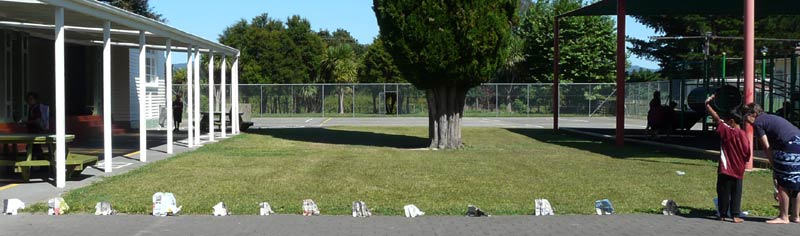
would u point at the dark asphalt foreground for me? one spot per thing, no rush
(382, 225)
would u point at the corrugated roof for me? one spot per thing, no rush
(689, 7)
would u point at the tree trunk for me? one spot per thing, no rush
(341, 102)
(445, 109)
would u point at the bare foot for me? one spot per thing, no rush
(737, 220)
(795, 220)
(778, 221)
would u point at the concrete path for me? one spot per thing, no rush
(382, 225)
(41, 187)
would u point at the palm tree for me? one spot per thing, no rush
(339, 66)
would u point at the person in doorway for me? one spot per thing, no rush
(36, 122)
(38, 119)
(177, 112)
(781, 143)
(733, 159)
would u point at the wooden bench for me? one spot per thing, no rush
(23, 163)
(243, 125)
(76, 163)
(24, 167)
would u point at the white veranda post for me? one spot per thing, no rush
(211, 96)
(189, 97)
(235, 98)
(60, 96)
(107, 151)
(197, 97)
(223, 72)
(142, 97)
(170, 120)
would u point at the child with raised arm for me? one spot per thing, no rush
(733, 158)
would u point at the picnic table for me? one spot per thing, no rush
(23, 162)
(243, 125)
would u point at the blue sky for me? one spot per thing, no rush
(208, 18)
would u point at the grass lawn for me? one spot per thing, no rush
(500, 170)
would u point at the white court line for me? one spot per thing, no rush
(309, 120)
(585, 121)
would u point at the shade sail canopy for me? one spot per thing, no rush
(688, 7)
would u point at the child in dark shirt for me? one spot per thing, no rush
(733, 158)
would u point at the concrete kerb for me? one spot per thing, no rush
(707, 154)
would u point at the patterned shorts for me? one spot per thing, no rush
(786, 166)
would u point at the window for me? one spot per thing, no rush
(150, 63)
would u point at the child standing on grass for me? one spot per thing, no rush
(733, 158)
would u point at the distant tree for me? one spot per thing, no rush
(377, 66)
(310, 45)
(141, 7)
(587, 43)
(643, 75)
(684, 58)
(342, 36)
(446, 48)
(179, 76)
(269, 53)
(339, 66)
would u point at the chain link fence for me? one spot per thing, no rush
(404, 100)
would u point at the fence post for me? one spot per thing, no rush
(354, 100)
(591, 96)
(261, 100)
(397, 103)
(496, 101)
(323, 100)
(386, 111)
(291, 90)
(528, 100)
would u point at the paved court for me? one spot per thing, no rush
(502, 122)
(382, 225)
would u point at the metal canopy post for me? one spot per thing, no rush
(556, 60)
(621, 59)
(749, 66)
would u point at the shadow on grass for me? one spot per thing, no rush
(345, 137)
(600, 147)
(697, 213)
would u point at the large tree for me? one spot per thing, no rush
(446, 48)
(588, 49)
(141, 7)
(269, 51)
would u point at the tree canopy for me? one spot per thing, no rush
(587, 43)
(445, 43)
